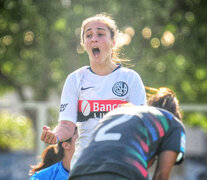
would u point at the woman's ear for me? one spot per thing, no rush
(66, 145)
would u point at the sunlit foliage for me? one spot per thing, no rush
(165, 40)
(15, 132)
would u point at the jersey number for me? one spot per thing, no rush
(103, 136)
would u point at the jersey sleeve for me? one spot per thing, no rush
(44, 174)
(69, 100)
(137, 94)
(175, 141)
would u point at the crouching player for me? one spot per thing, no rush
(128, 139)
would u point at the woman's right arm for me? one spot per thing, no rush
(64, 130)
(67, 115)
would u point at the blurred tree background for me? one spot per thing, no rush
(165, 40)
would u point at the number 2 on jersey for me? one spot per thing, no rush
(103, 136)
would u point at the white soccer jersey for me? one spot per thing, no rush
(86, 97)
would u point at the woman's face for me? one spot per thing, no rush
(98, 42)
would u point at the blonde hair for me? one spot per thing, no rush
(114, 31)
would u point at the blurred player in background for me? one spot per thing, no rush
(55, 164)
(129, 139)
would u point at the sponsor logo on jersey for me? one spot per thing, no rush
(85, 108)
(96, 108)
(84, 88)
(120, 89)
(62, 107)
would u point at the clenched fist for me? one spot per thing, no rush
(48, 136)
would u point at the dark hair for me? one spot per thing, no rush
(164, 98)
(51, 155)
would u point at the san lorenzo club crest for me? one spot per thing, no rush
(120, 89)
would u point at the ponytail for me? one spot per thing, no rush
(164, 98)
(51, 155)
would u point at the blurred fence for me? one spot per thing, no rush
(42, 109)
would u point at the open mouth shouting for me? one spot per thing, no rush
(96, 51)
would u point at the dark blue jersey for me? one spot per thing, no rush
(126, 140)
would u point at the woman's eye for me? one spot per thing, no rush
(89, 35)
